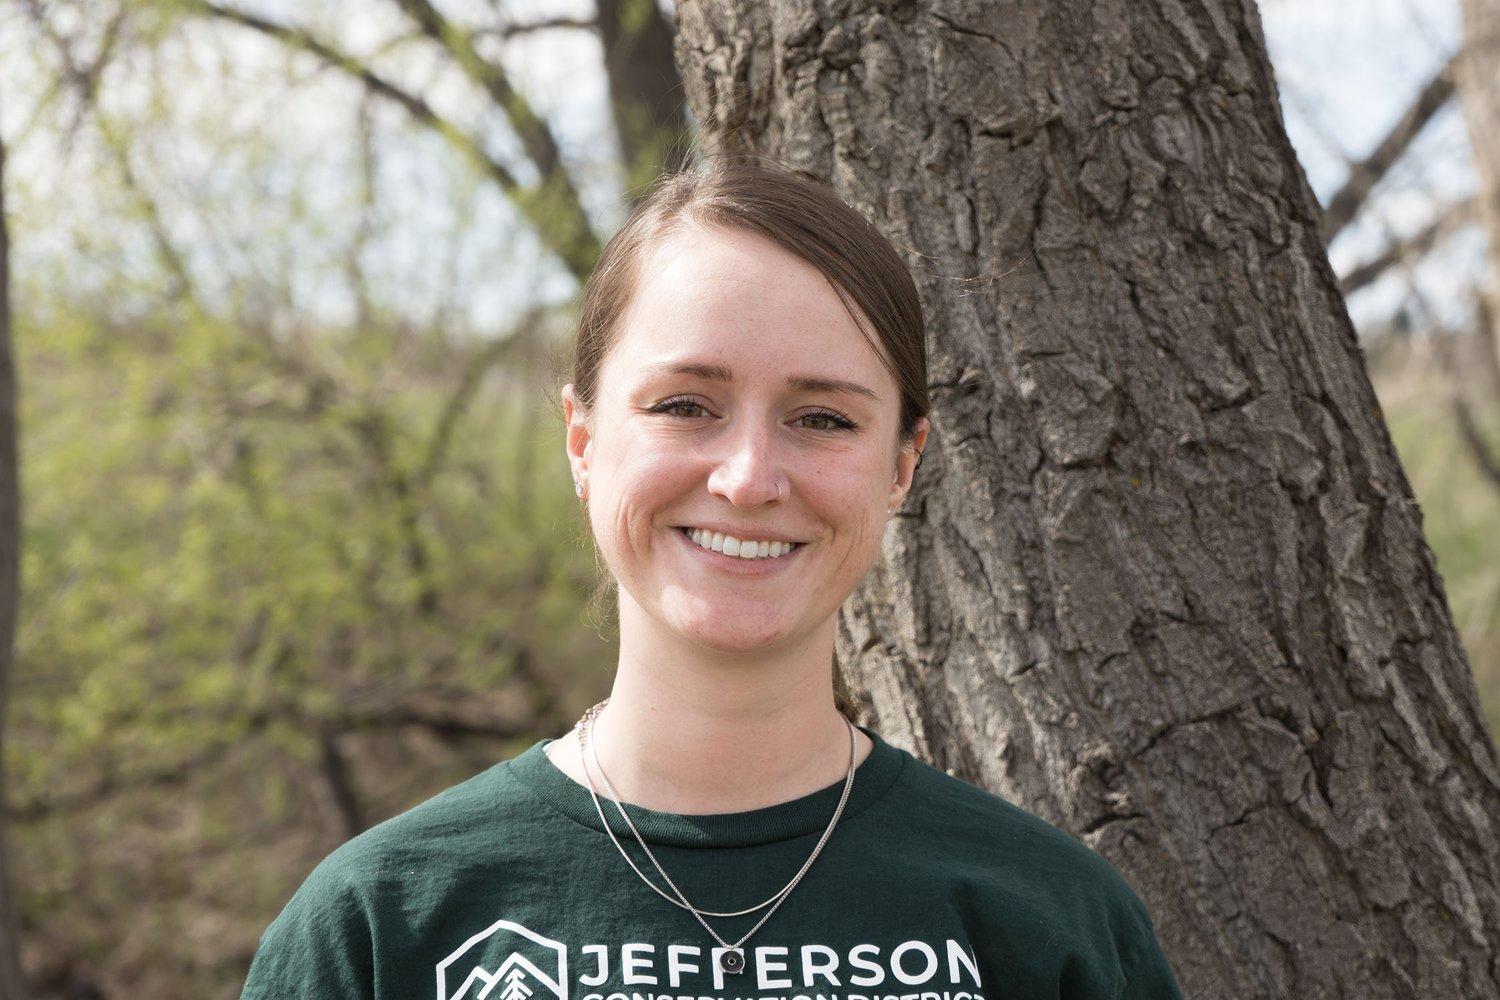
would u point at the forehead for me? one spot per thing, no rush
(740, 299)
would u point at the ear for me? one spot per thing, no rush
(579, 437)
(906, 463)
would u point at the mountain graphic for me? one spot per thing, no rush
(530, 959)
(515, 987)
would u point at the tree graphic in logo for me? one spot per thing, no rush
(515, 986)
(515, 954)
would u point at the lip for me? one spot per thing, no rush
(734, 564)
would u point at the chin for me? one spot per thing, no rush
(712, 627)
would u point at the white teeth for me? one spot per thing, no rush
(731, 546)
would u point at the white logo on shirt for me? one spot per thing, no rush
(523, 959)
(519, 956)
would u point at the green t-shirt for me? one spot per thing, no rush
(506, 887)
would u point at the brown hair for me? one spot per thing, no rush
(806, 218)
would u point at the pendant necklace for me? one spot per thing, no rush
(732, 958)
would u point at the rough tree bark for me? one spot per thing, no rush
(1162, 579)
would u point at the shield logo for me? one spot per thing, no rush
(505, 961)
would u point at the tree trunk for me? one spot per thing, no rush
(1162, 580)
(644, 90)
(12, 982)
(1477, 71)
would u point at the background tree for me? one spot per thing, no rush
(1478, 70)
(12, 979)
(1163, 580)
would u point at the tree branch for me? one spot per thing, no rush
(536, 136)
(509, 31)
(546, 207)
(1442, 225)
(1364, 175)
(440, 720)
(338, 785)
(478, 365)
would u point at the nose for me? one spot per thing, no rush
(746, 474)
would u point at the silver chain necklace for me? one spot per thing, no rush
(732, 958)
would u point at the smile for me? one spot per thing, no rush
(737, 548)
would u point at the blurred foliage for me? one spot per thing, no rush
(223, 563)
(299, 543)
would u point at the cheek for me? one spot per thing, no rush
(850, 496)
(616, 514)
(851, 486)
(639, 483)
(640, 450)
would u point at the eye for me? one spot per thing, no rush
(666, 406)
(832, 421)
(683, 407)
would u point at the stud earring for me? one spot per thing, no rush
(577, 487)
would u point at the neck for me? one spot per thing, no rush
(692, 731)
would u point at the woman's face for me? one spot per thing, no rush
(741, 399)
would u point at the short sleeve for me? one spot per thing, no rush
(319, 947)
(1148, 975)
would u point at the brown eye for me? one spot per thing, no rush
(830, 421)
(668, 406)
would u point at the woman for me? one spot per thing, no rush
(747, 409)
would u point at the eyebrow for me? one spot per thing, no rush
(805, 383)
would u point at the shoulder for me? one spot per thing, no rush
(322, 942)
(1003, 845)
(447, 825)
(1006, 867)
(354, 876)
(983, 819)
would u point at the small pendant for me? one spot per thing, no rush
(732, 960)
